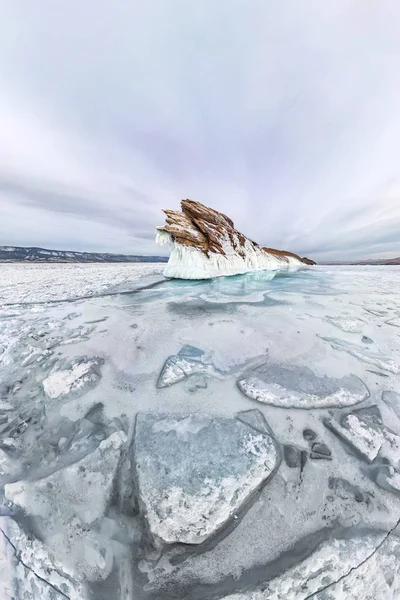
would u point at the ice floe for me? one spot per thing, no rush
(195, 472)
(299, 387)
(75, 378)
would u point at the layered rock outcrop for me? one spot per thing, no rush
(205, 243)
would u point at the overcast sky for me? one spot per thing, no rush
(283, 114)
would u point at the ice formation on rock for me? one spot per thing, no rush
(299, 387)
(205, 244)
(195, 472)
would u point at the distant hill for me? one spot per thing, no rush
(383, 261)
(20, 254)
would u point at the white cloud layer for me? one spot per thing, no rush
(282, 114)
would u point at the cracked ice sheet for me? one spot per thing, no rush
(67, 505)
(134, 357)
(331, 561)
(377, 358)
(44, 579)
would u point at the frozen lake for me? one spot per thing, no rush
(265, 460)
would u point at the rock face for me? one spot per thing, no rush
(205, 244)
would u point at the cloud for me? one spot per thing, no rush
(283, 115)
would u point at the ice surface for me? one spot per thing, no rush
(346, 324)
(51, 282)
(395, 322)
(299, 387)
(195, 472)
(376, 358)
(392, 399)
(69, 488)
(70, 500)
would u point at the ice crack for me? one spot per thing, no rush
(329, 585)
(17, 555)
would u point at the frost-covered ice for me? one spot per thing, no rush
(377, 358)
(74, 378)
(194, 473)
(189, 361)
(27, 572)
(348, 325)
(300, 388)
(338, 569)
(233, 498)
(47, 282)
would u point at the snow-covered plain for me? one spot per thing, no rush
(231, 438)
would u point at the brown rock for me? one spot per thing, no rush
(206, 229)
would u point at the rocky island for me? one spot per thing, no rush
(205, 244)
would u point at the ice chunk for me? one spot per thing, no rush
(299, 387)
(75, 378)
(359, 435)
(367, 436)
(347, 324)
(35, 355)
(369, 413)
(195, 472)
(364, 354)
(82, 489)
(177, 368)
